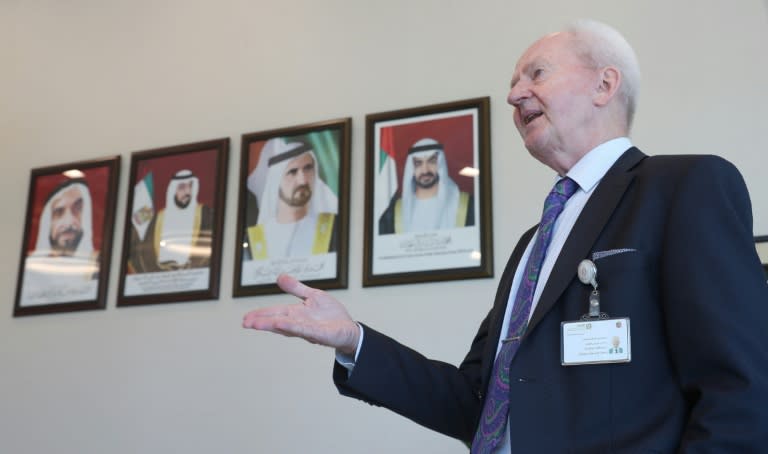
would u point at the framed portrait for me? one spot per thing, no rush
(174, 224)
(66, 250)
(761, 243)
(293, 210)
(428, 194)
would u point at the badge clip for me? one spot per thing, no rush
(587, 272)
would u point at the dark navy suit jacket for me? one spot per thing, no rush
(697, 298)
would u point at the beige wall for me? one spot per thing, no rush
(84, 79)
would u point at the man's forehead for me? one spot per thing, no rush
(300, 160)
(69, 193)
(541, 50)
(422, 155)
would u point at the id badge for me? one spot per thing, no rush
(600, 341)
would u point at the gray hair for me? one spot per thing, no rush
(601, 45)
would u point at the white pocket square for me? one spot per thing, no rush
(597, 255)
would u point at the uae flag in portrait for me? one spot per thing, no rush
(386, 173)
(143, 207)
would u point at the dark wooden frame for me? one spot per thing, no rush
(112, 166)
(481, 108)
(221, 148)
(343, 128)
(763, 258)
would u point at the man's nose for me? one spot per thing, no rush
(518, 93)
(69, 219)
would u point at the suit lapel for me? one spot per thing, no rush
(588, 226)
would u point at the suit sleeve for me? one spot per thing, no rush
(432, 393)
(715, 299)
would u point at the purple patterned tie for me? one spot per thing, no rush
(493, 420)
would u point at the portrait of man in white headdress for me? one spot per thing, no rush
(430, 199)
(63, 266)
(179, 236)
(296, 209)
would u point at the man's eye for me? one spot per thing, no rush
(537, 73)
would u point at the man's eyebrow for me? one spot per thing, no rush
(524, 70)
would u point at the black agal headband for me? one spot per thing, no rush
(305, 147)
(428, 147)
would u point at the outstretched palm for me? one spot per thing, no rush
(319, 318)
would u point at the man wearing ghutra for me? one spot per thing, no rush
(64, 264)
(430, 199)
(180, 234)
(297, 210)
(183, 229)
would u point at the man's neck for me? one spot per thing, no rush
(287, 214)
(426, 193)
(563, 160)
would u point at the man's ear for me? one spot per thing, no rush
(608, 85)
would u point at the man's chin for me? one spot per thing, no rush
(535, 145)
(426, 182)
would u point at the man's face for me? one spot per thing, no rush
(425, 170)
(298, 181)
(66, 221)
(183, 193)
(552, 91)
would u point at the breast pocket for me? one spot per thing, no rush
(625, 281)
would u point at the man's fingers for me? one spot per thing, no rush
(277, 322)
(290, 284)
(282, 325)
(273, 311)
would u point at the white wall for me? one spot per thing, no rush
(83, 79)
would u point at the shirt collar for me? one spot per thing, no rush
(594, 165)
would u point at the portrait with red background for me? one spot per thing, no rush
(454, 133)
(97, 180)
(60, 290)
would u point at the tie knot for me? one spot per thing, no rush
(565, 187)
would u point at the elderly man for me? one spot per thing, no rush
(297, 210)
(671, 240)
(64, 264)
(430, 200)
